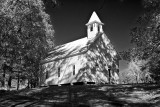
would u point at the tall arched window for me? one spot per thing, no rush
(73, 69)
(47, 74)
(58, 71)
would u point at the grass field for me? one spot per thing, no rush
(141, 95)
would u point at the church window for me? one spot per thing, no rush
(98, 28)
(46, 74)
(58, 71)
(91, 27)
(73, 69)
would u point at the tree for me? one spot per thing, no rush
(146, 39)
(137, 71)
(26, 34)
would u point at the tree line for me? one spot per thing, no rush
(26, 35)
(144, 58)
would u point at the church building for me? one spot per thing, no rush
(89, 59)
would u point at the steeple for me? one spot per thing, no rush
(94, 26)
(94, 18)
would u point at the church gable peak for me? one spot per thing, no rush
(94, 18)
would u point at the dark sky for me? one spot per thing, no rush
(119, 16)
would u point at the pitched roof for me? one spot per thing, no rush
(70, 49)
(94, 18)
(67, 50)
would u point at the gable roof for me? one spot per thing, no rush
(94, 18)
(70, 49)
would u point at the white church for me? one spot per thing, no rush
(89, 59)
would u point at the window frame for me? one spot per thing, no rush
(91, 28)
(74, 67)
(59, 71)
(47, 75)
(98, 28)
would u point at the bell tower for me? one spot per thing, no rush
(94, 26)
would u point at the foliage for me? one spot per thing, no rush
(26, 34)
(137, 72)
(146, 39)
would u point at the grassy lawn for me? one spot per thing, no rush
(86, 96)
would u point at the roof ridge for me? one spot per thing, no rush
(66, 44)
(88, 45)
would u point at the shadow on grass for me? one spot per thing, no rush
(88, 96)
(81, 96)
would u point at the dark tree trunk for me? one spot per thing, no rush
(31, 83)
(18, 82)
(3, 81)
(28, 83)
(10, 81)
(36, 82)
